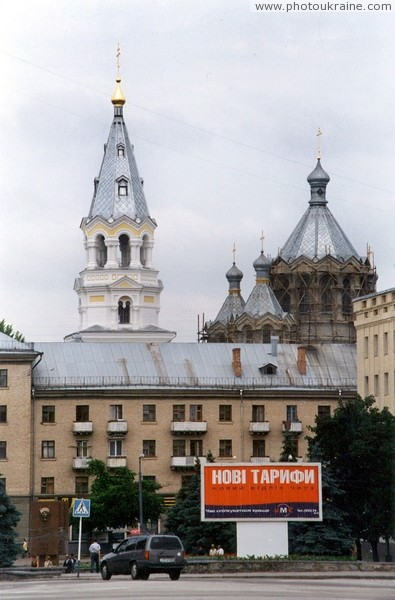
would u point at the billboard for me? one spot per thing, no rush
(261, 492)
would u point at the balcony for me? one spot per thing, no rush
(117, 429)
(186, 462)
(259, 427)
(81, 462)
(115, 462)
(188, 427)
(293, 426)
(260, 460)
(82, 427)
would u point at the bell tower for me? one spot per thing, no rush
(119, 289)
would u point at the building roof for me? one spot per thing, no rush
(318, 234)
(191, 365)
(262, 300)
(118, 164)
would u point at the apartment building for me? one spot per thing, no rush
(70, 402)
(374, 318)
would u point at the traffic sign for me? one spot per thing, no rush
(81, 508)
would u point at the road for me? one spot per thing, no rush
(200, 588)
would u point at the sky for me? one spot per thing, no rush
(223, 104)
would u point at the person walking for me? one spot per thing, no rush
(94, 551)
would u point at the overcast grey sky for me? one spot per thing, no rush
(223, 106)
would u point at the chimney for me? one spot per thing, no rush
(274, 340)
(302, 360)
(236, 362)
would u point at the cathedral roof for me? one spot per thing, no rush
(234, 303)
(118, 165)
(318, 234)
(262, 299)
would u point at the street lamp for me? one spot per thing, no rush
(141, 514)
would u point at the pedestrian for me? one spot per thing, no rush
(94, 551)
(212, 551)
(68, 564)
(48, 561)
(25, 548)
(220, 550)
(35, 561)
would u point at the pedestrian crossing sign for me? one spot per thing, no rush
(81, 507)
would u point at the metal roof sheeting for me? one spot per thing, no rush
(191, 365)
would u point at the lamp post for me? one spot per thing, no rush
(141, 514)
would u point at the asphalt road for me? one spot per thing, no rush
(200, 588)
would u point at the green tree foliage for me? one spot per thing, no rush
(9, 330)
(358, 444)
(9, 517)
(288, 451)
(331, 536)
(184, 520)
(114, 498)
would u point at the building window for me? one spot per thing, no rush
(149, 448)
(366, 385)
(195, 412)
(3, 485)
(375, 345)
(48, 414)
(258, 413)
(115, 448)
(3, 450)
(304, 301)
(101, 251)
(258, 448)
(121, 151)
(151, 478)
(47, 485)
(149, 412)
(225, 448)
(82, 449)
(196, 448)
(3, 377)
(48, 449)
(82, 413)
(326, 294)
(385, 342)
(266, 335)
(292, 413)
(124, 311)
(225, 412)
(366, 347)
(386, 391)
(346, 297)
(122, 188)
(376, 385)
(178, 412)
(81, 486)
(3, 413)
(178, 447)
(116, 412)
(324, 411)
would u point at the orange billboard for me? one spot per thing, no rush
(261, 492)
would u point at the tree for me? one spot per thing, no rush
(358, 443)
(9, 517)
(289, 448)
(331, 536)
(184, 520)
(9, 330)
(114, 498)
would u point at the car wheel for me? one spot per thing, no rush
(135, 573)
(105, 572)
(144, 575)
(174, 575)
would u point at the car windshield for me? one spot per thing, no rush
(160, 542)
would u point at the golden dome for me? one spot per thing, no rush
(118, 98)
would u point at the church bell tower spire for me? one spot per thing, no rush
(119, 289)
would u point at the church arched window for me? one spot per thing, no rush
(121, 150)
(124, 248)
(124, 311)
(122, 187)
(326, 294)
(101, 251)
(144, 251)
(266, 335)
(248, 335)
(346, 297)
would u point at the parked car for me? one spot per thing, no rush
(141, 555)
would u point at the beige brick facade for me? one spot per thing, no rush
(375, 326)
